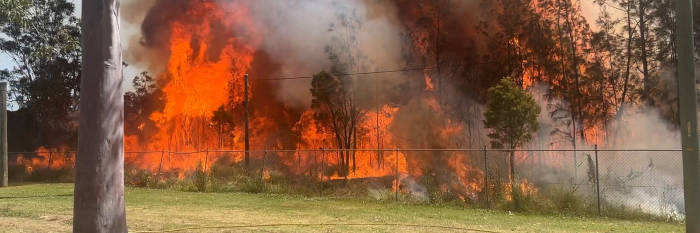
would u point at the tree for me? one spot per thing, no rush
(337, 111)
(335, 101)
(99, 178)
(42, 38)
(511, 116)
(222, 121)
(139, 104)
(696, 20)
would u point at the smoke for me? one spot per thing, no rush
(297, 32)
(645, 128)
(135, 53)
(634, 169)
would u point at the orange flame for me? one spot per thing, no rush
(51, 159)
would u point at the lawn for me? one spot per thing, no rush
(48, 208)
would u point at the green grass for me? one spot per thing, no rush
(48, 208)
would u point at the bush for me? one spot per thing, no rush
(521, 201)
(139, 178)
(567, 202)
(59, 175)
(200, 179)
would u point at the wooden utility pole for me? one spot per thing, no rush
(3, 134)
(98, 205)
(247, 132)
(688, 115)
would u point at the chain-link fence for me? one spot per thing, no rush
(595, 182)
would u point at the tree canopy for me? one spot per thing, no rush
(42, 38)
(511, 115)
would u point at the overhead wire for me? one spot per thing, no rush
(356, 74)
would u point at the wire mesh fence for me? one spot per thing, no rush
(596, 182)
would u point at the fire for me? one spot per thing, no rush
(200, 77)
(368, 162)
(51, 159)
(212, 44)
(526, 188)
(429, 82)
(210, 47)
(470, 179)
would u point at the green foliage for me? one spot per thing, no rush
(42, 38)
(20, 173)
(511, 115)
(139, 178)
(567, 202)
(200, 179)
(521, 201)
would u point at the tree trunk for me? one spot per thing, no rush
(99, 178)
(643, 44)
(3, 135)
(511, 165)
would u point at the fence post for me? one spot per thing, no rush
(50, 160)
(323, 171)
(3, 134)
(396, 174)
(170, 159)
(160, 165)
(486, 178)
(246, 127)
(262, 167)
(314, 168)
(597, 179)
(206, 159)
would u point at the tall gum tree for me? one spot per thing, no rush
(99, 178)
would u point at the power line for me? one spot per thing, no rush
(400, 70)
(356, 74)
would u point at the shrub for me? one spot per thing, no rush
(567, 202)
(139, 178)
(521, 201)
(200, 179)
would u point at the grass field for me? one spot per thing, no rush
(48, 208)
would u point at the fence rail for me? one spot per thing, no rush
(606, 181)
(370, 150)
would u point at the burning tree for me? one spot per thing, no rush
(334, 101)
(139, 104)
(512, 117)
(336, 110)
(223, 122)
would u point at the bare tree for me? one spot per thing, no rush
(338, 111)
(99, 178)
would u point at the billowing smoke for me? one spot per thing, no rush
(638, 164)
